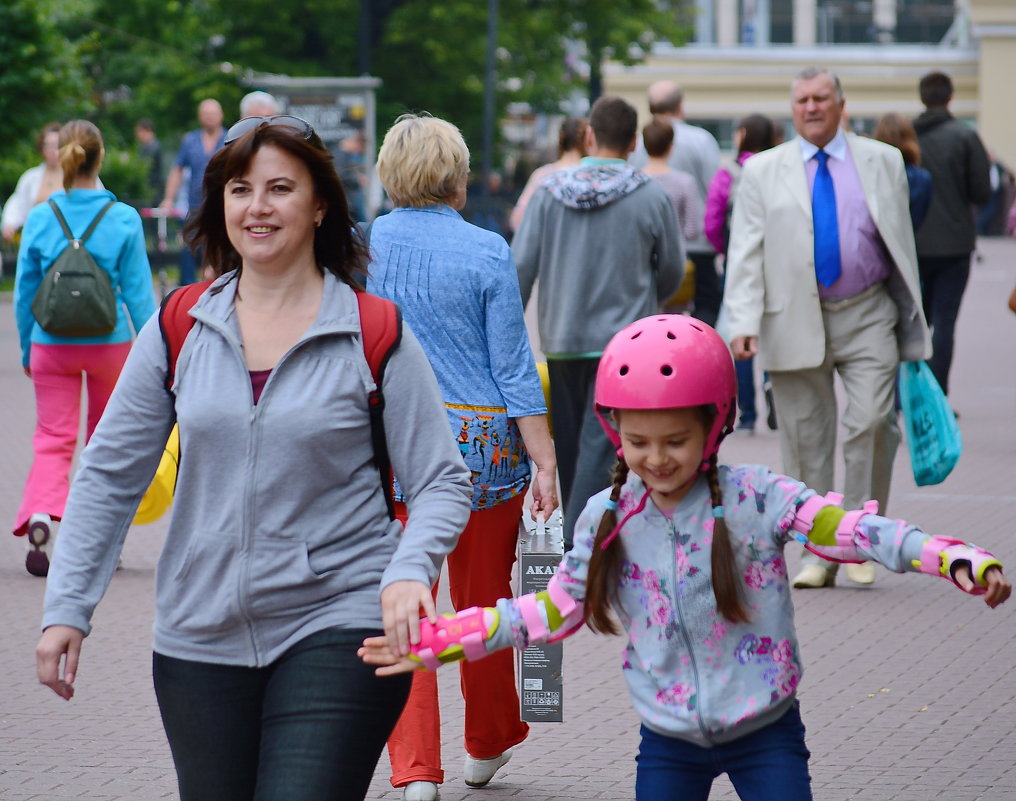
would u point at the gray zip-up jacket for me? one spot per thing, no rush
(603, 240)
(279, 526)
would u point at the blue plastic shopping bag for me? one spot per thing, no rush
(933, 435)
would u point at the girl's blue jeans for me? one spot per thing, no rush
(770, 764)
(309, 727)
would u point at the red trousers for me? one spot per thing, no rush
(479, 573)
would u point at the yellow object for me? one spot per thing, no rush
(159, 496)
(686, 292)
(541, 368)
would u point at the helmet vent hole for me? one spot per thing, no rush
(623, 370)
(670, 335)
(636, 335)
(667, 370)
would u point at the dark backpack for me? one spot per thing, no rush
(76, 298)
(380, 324)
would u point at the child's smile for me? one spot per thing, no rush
(664, 448)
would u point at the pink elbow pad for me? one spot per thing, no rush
(459, 636)
(939, 555)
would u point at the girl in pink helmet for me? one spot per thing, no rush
(687, 555)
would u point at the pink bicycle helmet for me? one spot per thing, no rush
(668, 361)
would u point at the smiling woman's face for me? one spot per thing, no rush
(271, 210)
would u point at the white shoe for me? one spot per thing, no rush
(478, 772)
(813, 577)
(863, 573)
(420, 791)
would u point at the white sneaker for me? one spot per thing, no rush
(40, 541)
(478, 772)
(420, 791)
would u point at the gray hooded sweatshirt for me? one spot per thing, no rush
(603, 240)
(279, 527)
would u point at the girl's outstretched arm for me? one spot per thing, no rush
(832, 533)
(473, 633)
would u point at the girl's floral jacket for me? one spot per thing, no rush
(692, 674)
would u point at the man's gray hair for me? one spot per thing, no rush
(814, 72)
(258, 98)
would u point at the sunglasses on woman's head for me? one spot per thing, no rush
(238, 129)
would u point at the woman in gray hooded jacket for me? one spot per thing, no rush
(280, 552)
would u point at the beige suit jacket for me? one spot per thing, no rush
(771, 290)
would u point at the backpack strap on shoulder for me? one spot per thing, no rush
(381, 333)
(91, 227)
(175, 323)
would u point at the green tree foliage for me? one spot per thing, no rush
(39, 77)
(116, 61)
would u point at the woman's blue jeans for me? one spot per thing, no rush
(309, 727)
(770, 764)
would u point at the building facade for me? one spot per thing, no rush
(745, 53)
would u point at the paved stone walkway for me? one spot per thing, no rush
(910, 691)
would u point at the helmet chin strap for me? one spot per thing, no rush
(645, 498)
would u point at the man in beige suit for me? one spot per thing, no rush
(822, 280)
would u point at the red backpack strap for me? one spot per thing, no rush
(175, 322)
(381, 332)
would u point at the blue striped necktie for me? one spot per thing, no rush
(826, 225)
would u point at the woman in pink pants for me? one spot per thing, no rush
(58, 364)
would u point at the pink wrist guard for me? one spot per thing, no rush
(940, 556)
(533, 609)
(459, 636)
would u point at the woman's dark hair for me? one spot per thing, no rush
(897, 130)
(572, 136)
(604, 569)
(759, 134)
(658, 136)
(337, 246)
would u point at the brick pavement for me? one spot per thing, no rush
(910, 692)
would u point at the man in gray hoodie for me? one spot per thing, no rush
(603, 239)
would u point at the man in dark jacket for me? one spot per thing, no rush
(952, 152)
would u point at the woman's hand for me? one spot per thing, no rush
(28, 371)
(544, 492)
(401, 605)
(375, 651)
(998, 586)
(56, 643)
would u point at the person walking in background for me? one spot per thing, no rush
(896, 130)
(822, 280)
(36, 184)
(688, 556)
(602, 238)
(658, 140)
(697, 154)
(952, 152)
(259, 104)
(457, 287)
(752, 135)
(196, 149)
(56, 363)
(571, 147)
(280, 544)
(150, 151)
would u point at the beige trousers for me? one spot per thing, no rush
(860, 347)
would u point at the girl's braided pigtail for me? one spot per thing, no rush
(728, 588)
(604, 563)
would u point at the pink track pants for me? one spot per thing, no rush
(57, 374)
